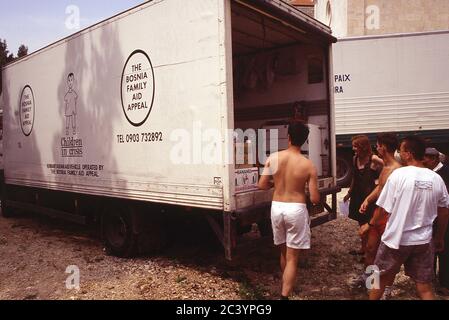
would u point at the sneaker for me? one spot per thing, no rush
(387, 293)
(442, 291)
(359, 282)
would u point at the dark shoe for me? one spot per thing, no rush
(358, 282)
(388, 293)
(442, 291)
(356, 253)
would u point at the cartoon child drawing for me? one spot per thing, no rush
(70, 100)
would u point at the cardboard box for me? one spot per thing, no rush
(246, 179)
(242, 151)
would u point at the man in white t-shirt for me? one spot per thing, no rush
(414, 197)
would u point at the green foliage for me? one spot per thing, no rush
(7, 57)
(22, 52)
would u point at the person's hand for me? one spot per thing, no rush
(364, 207)
(346, 198)
(439, 245)
(364, 229)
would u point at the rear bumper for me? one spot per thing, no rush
(322, 213)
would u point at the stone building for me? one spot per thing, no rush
(306, 6)
(349, 18)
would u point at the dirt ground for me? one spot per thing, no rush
(35, 253)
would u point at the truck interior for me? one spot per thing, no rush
(280, 73)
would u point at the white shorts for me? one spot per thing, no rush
(291, 225)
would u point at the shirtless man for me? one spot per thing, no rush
(387, 144)
(289, 216)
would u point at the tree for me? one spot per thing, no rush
(5, 57)
(23, 51)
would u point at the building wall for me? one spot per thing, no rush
(377, 17)
(306, 6)
(333, 13)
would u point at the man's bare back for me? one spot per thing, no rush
(289, 215)
(291, 171)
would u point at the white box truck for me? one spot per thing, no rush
(392, 83)
(142, 115)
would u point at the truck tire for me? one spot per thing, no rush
(344, 171)
(118, 233)
(7, 212)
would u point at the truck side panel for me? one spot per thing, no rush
(392, 83)
(121, 109)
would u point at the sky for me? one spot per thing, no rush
(37, 23)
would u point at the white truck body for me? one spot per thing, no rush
(391, 83)
(189, 82)
(397, 83)
(142, 106)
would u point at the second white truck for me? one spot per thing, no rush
(394, 83)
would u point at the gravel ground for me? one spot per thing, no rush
(35, 253)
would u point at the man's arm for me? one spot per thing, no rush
(372, 197)
(378, 215)
(315, 196)
(265, 182)
(442, 221)
(378, 162)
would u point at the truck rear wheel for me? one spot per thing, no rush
(129, 230)
(7, 212)
(118, 233)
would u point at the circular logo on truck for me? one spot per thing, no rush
(26, 110)
(137, 88)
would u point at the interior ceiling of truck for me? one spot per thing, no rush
(254, 31)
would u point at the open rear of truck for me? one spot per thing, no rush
(280, 71)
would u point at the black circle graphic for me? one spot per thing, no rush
(20, 110)
(137, 124)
